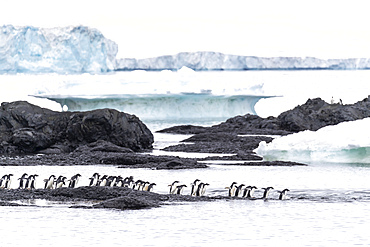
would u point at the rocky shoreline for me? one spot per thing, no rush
(108, 137)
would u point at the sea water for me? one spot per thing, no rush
(327, 203)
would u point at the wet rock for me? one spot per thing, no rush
(26, 128)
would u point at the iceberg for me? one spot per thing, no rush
(347, 142)
(61, 50)
(218, 61)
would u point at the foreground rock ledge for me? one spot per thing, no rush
(103, 197)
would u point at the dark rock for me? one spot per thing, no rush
(26, 128)
(226, 137)
(126, 202)
(184, 129)
(312, 115)
(316, 113)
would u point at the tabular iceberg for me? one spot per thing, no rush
(220, 61)
(62, 50)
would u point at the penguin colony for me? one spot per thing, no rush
(197, 188)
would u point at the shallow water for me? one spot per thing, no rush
(327, 206)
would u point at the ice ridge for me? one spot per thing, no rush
(61, 50)
(220, 61)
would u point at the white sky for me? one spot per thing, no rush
(147, 28)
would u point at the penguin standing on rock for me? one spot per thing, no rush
(128, 182)
(194, 187)
(74, 180)
(49, 182)
(2, 181)
(94, 179)
(232, 189)
(266, 192)
(31, 182)
(201, 190)
(179, 189)
(60, 182)
(5, 181)
(22, 181)
(238, 190)
(173, 187)
(150, 187)
(283, 193)
(249, 191)
(8, 181)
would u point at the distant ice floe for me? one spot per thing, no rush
(347, 142)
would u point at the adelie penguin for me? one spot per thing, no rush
(5, 181)
(179, 189)
(150, 187)
(266, 192)
(31, 182)
(173, 187)
(94, 179)
(74, 180)
(22, 181)
(248, 191)
(194, 187)
(283, 193)
(232, 189)
(60, 182)
(201, 189)
(238, 190)
(49, 182)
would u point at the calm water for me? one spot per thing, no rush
(327, 206)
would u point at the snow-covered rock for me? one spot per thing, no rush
(220, 61)
(62, 50)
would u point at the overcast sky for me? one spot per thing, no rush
(326, 29)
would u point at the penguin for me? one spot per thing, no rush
(111, 181)
(238, 190)
(60, 182)
(232, 189)
(248, 191)
(199, 189)
(2, 181)
(32, 186)
(74, 180)
(173, 187)
(266, 192)
(138, 185)
(128, 182)
(119, 181)
(94, 179)
(150, 187)
(282, 195)
(145, 186)
(179, 189)
(22, 181)
(194, 187)
(102, 181)
(204, 189)
(31, 182)
(49, 182)
(8, 181)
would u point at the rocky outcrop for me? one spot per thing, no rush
(316, 113)
(26, 128)
(102, 197)
(227, 137)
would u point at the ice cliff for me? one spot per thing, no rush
(81, 49)
(220, 61)
(62, 50)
